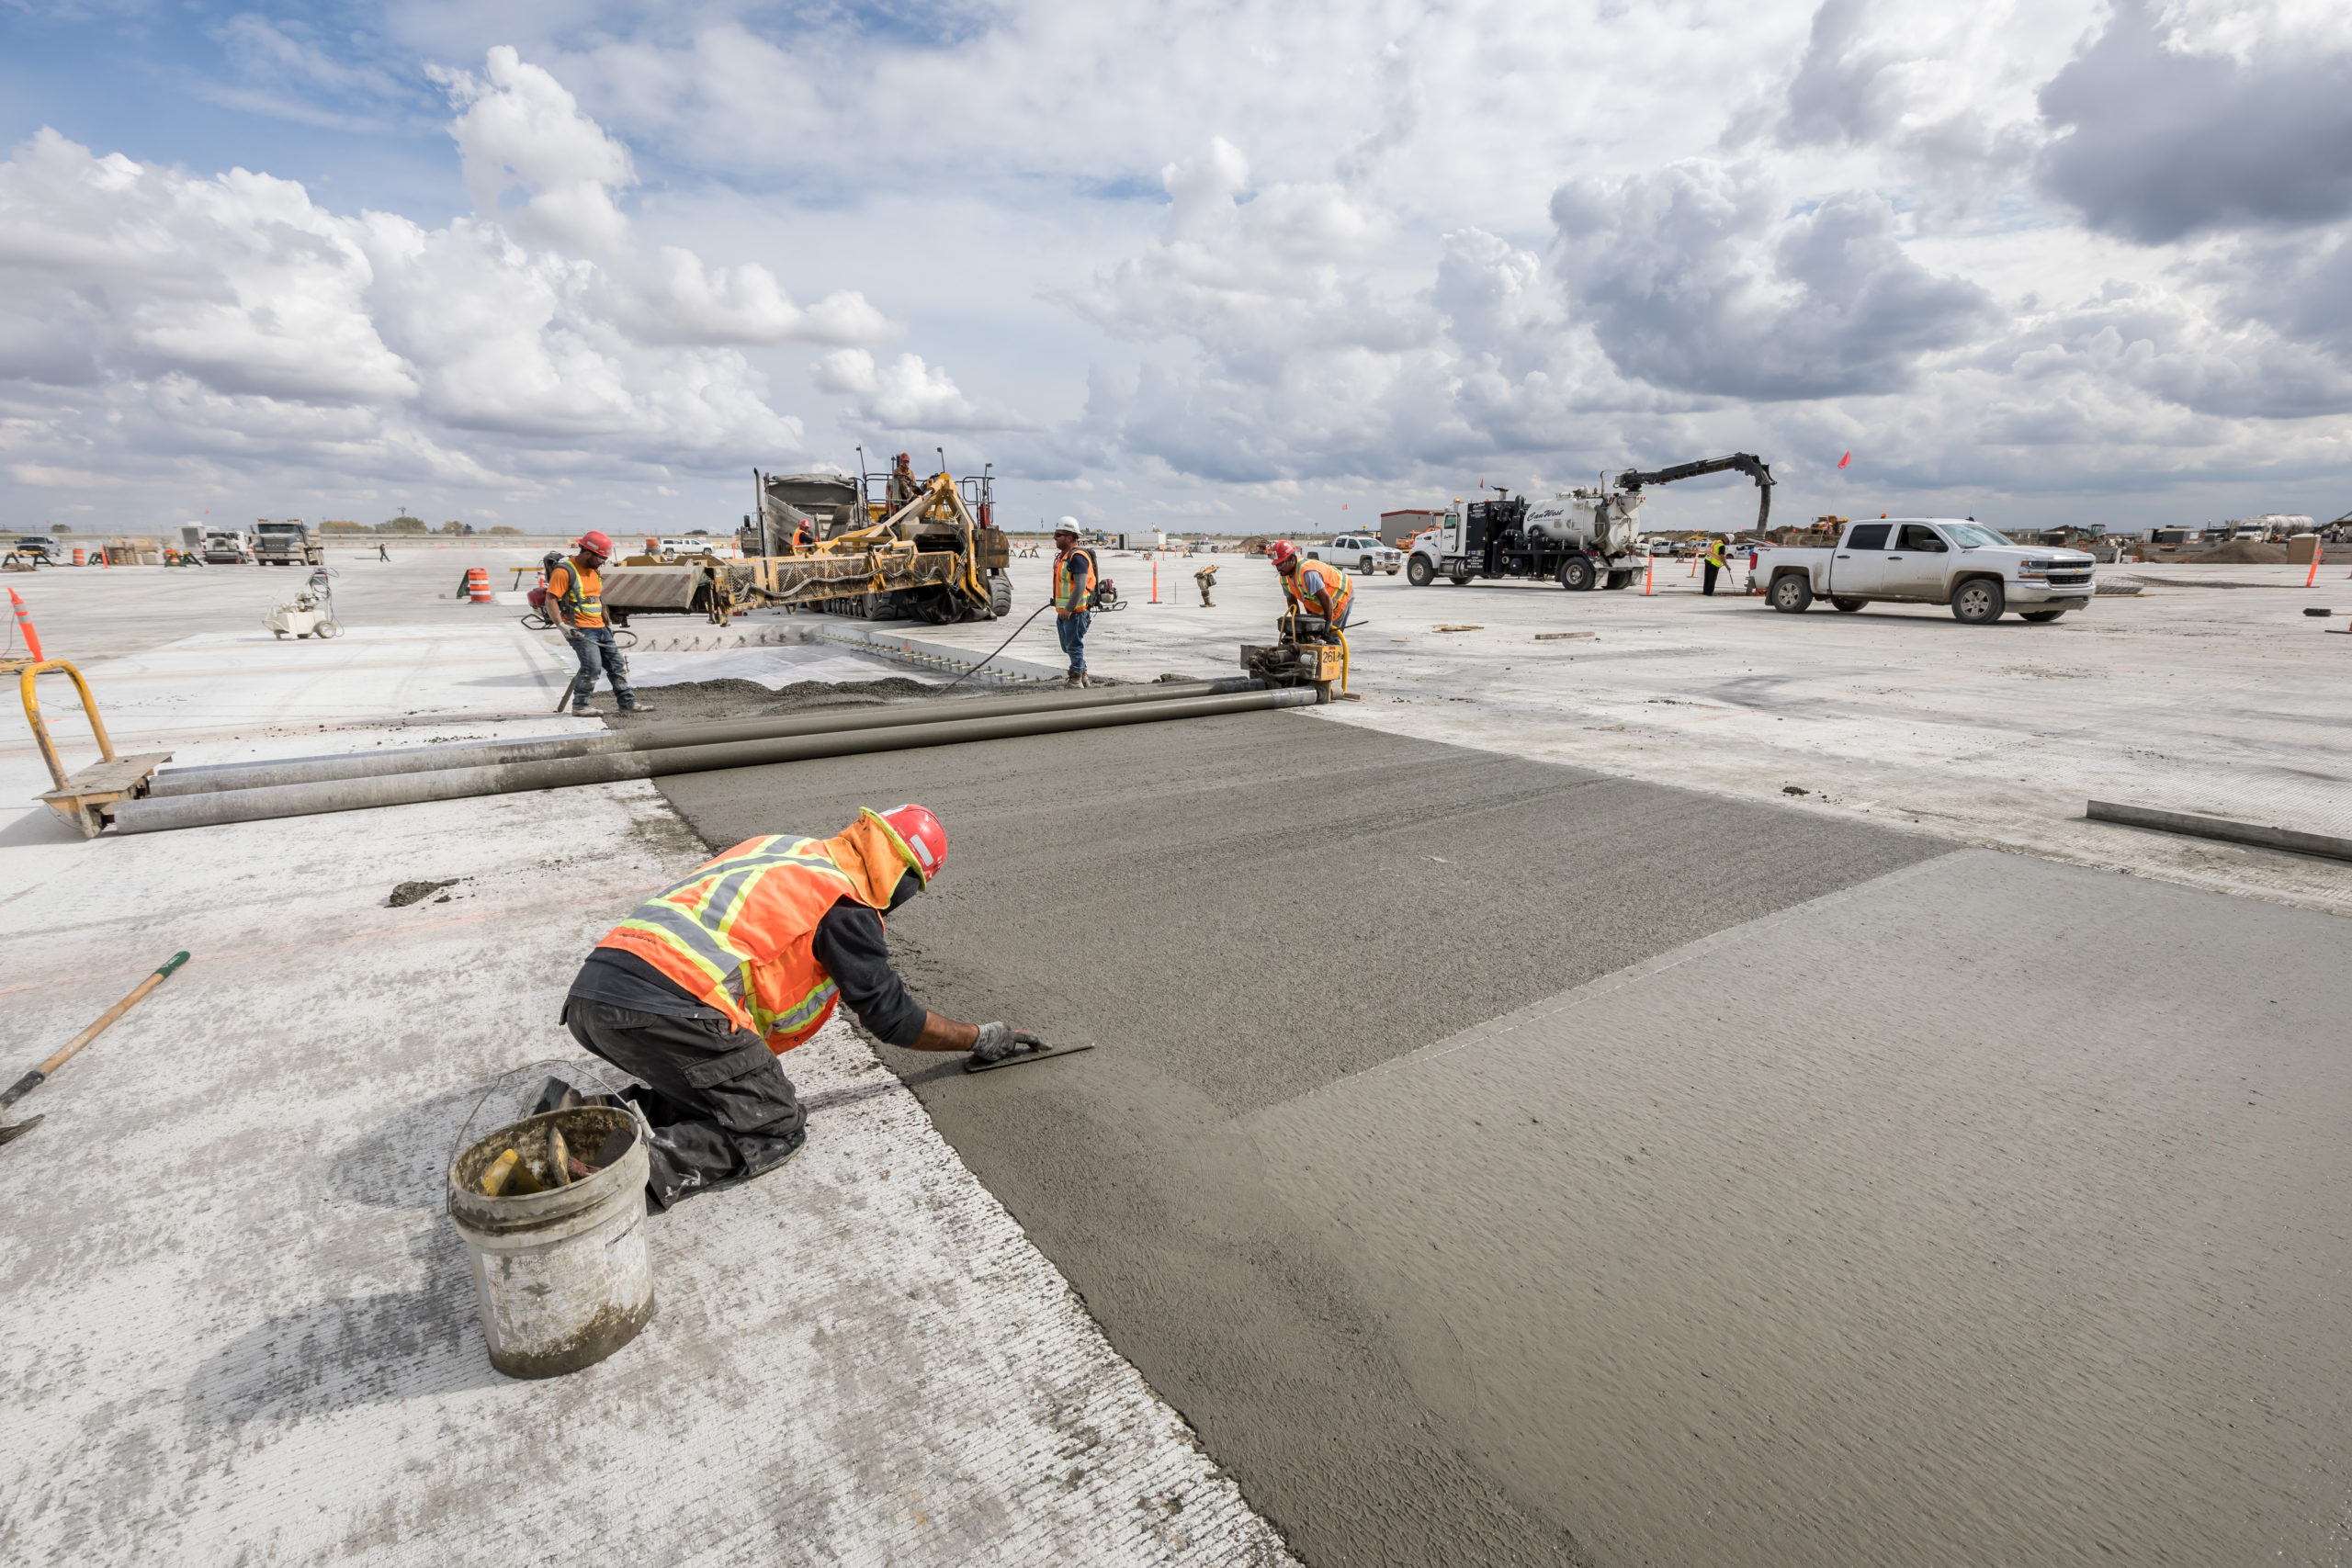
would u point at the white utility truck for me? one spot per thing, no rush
(1581, 538)
(1925, 560)
(227, 547)
(1358, 552)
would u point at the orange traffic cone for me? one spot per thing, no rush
(25, 622)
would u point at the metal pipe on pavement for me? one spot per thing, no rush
(208, 779)
(153, 815)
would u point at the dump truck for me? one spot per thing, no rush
(934, 557)
(287, 543)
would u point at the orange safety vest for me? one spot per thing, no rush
(1327, 593)
(804, 533)
(1073, 589)
(737, 933)
(583, 594)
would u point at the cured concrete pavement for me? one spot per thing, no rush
(1499, 1163)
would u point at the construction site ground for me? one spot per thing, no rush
(1520, 1131)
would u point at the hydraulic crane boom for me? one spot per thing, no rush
(1744, 462)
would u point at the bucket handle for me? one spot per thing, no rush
(644, 1128)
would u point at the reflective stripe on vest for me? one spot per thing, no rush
(1070, 590)
(736, 935)
(1327, 597)
(584, 602)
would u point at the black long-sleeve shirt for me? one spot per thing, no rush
(848, 941)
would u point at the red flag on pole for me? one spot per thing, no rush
(1846, 459)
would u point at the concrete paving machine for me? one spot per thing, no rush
(928, 552)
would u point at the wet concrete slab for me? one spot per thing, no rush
(1894, 1228)
(1241, 912)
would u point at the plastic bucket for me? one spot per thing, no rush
(562, 1275)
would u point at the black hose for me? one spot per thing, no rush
(999, 648)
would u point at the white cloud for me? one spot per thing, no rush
(904, 395)
(160, 323)
(520, 128)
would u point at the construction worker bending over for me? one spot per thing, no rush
(1713, 562)
(1318, 590)
(700, 991)
(1073, 596)
(575, 601)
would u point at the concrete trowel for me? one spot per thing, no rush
(1022, 1058)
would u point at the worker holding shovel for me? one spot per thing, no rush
(700, 991)
(575, 601)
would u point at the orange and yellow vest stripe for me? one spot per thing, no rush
(736, 935)
(1318, 588)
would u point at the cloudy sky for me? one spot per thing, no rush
(1234, 265)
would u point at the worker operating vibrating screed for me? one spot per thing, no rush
(1073, 593)
(700, 991)
(575, 601)
(1321, 595)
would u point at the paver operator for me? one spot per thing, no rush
(1073, 596)
(704, 987)
(1713, 562)
(575, 601)
(1315, 588)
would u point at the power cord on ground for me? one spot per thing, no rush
(999, 648)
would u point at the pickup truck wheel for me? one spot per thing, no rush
(1792, 594)
(1978, 602)
(2039, 617)
(1392, 571)
(1848, 605)
(1575, 575)
(1418, 571)
(1363, 566)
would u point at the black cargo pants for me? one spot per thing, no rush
(720, 1104)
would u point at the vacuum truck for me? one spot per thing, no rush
(1581, 539)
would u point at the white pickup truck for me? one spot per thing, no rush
(1359, 552)
(1925, 560)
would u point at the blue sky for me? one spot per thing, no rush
(1228, 266)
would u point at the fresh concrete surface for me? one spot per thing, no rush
(1241, 910)
(239, 1327)
(1817, 1196)
(2225, 701)
(1888, 1229)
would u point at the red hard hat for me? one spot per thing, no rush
(919, 837)
(1282, 554)
(594, 540)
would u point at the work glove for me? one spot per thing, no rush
(1000, 1041)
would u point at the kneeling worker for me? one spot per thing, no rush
(702, 988)
(1315, 588)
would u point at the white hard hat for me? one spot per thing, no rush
(1065, 523)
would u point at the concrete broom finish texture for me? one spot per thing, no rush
(239, 1324)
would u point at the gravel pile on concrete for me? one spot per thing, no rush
(2243, 552)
